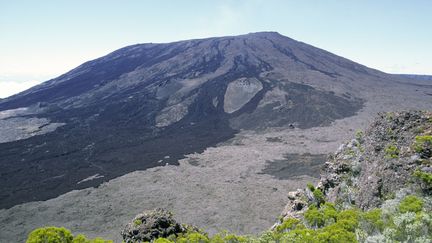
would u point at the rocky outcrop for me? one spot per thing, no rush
(388, 157)
(151, 225)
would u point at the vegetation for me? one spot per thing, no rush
(425, 179)
(137, 222)
(423, 145)
(319, 197)
(409, 221)
(327, 224)
(50, 234)
(359, 136)
(392, 151)
(403, 215)
(311, 187)
(411, 204)
(59, 235)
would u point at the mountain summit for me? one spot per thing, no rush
(149, 105)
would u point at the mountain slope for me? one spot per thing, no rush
(237, 119)
(417, 76)
(366, 194)
(186, 95)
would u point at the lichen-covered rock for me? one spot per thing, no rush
(392, 155)
(151, 225)
(381, 161)
(296, 205)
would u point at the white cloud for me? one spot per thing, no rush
(414, 68)
(8, 88)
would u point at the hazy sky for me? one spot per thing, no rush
(42, 39)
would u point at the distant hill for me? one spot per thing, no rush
(416, 76)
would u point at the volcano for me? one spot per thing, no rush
(149, 105)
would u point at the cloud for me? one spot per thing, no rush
(8, 88)
(413, 68)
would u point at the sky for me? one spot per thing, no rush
(40, 40)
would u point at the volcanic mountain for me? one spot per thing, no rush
(150, 105)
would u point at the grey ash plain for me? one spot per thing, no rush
(185, 126)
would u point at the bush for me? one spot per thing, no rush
(372, 221)
(314, 217)
(425, 179)
(231, 238)
(193, 238)
(348, 219)
(59, 235)
(98, 240)
(423, 146)
(310, 187)
(318, 217)
(319, 197)
(80, 239)
(51, 235)
(335, 234)
(299, 235)
(411, 204)
(359, 136)
(287, 225)
(392, 151)
(137, 222)
(163, 240)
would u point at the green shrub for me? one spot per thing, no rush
(318, 217)
(411, 227)
(319, 196)
(137, 222)
(372, 221)
(359, 136)
(226, 237)
(299, 235)
(267, 236)
(329, 212)
(335, 233)
(162, 240)
(51, 235)
(193, 238)
(388, 196)
(59, 235)
(391, 151)
(425, 178)
(390, 116)
(314, 217)
(423, 145)
(231, 238)
(80, 239)
(419, 130)
(348, 219)
(350, 152)
(100, 240)
(310, 186)
(287, 225)
(411, 204)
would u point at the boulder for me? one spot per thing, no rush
(150, 225)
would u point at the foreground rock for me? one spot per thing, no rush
(151, 225)
(390, 160)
